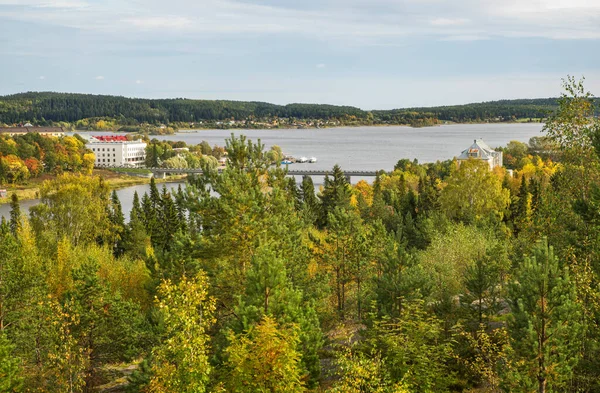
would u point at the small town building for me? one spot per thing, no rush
(479, 150)
(28, 129)
(117, 151)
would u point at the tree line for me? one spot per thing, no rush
(435, 278)
(31, 155)
(86, 110)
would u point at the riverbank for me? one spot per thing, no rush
(200, 128)
(356, 125)
(115, 181)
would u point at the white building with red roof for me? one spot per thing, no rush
(117, 150)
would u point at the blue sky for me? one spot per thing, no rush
(366, 53)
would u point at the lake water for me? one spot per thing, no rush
(353, 148)
(371, 148)
(125, 196)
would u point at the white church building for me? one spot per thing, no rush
(479, 150)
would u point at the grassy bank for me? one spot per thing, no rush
(115, 180)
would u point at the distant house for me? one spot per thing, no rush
(44, 131)
(480, 151)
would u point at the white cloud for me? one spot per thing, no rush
(139, 82)
(448, 21)
(62, 4)
(42, 77)
(159, 22)
(321, 65)
(465, 37)
(45, 4)
(356, 22)
(99, 78)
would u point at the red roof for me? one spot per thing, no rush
(110, 138)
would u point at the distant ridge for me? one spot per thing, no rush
(47, 107)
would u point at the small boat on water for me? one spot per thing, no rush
(312, 160)
(302, 160)
(286, 162)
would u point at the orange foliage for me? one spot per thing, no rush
(34, 165)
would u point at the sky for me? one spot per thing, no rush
(373, 54)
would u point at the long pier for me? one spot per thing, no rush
(174, 171)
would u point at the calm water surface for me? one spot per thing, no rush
(125, 196)
(372, 148)
(354, 148)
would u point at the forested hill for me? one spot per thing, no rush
(47, 107)
(73, 107)
(502, 110)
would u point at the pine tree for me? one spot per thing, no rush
(135, 240)
(310, 202)
(415, 350)
(107, 326)
(535, 188)
(270, 293)
(399, 278)
(409, 204)
(379, 209)
(150, 216)
(154, 194)
(336, 193)
(482, 281)
(428, 196)
(168, 221)
(522, 207)
(293, 192)
(344, 254)
(117, 220)
(154, 157)
(136, 209)
(4, 226)
(544, 324)
(244, 155)
(180, 204)
(15, 214)
(11, 374)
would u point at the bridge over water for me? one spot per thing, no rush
(162, 172)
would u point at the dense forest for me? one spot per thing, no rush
(30, 155)
(62, 107)
(85, 111)
(435, 278)
(503, 110)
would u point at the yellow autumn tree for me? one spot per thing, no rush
(87, 164)
(74, 207)
(265, 359)
(473, 192)
(181, 361)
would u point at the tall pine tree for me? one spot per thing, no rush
(544, 325)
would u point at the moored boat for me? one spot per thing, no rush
(312, 160)
(302, 159)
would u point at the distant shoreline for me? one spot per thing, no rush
(198, 130)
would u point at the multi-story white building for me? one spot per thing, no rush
(116, 150)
